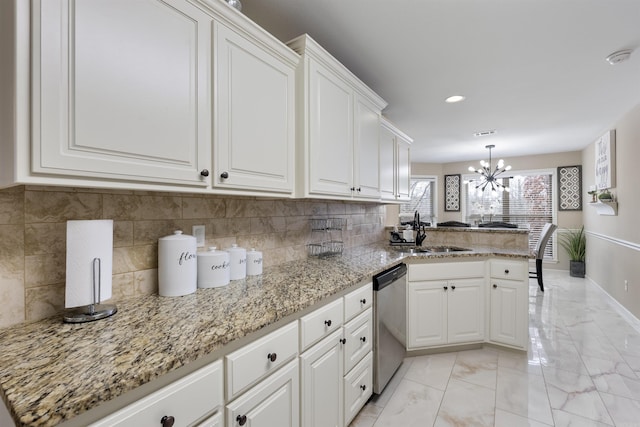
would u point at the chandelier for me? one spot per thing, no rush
(489, 175)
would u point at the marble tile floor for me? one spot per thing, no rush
(582, 369)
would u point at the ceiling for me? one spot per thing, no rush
(533, 70)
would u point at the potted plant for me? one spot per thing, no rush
(594, 195)
(605, 196)
(575, 243)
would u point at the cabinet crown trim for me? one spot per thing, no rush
(306, 46)
(388, 124)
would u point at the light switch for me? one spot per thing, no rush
(198, 233)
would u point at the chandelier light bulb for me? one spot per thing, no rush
(488, 175)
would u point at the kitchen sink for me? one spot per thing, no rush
(434, 249)
(444, 249)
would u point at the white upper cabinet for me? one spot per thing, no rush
(122, 90)
(403, 189)
(330, 148)
(366, 166)
(255, 114)
(181, 95)
(337, 128)
(388, 163)
(395, 163)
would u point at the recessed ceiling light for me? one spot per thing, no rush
(619, 56)
(454, 98)
(485, 133)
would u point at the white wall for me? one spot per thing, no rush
(613, 242)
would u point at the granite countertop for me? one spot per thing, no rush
(52, 371)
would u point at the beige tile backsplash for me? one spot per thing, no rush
(33, 236)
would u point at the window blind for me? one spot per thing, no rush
(529, 204)
(422, 194)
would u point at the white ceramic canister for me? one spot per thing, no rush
(254, 262)
(214, 269)
(177, 265)
(238, 261)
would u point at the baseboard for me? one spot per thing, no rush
(633, 321)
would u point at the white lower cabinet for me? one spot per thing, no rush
(260, 358)
(358, 385)
(509, 290)
(336, 372)
(427, 315)
(274, 402)
(359, 337)
(468, 302)
(445, 304)
(445, 312)
(215, 421)
(358, 359)
(321, 369)
(183, 402)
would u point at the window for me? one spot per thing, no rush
(529, 204)
(423, 196)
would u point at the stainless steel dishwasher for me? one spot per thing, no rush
(389, 324)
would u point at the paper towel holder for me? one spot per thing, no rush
(95, 311)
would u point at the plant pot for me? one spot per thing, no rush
(576, 268)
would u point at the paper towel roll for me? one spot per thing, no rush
(87, 240)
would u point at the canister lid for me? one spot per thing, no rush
(211, 252)
(177, 235)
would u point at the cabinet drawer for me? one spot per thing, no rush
(254, 361)
(320, 323)
(359, 335)
(357, 388)
(273, 402)
(187, 400)
(445, 270)
(357, 301)
(214, 421)
(514, 270)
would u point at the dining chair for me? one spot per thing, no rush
(538, 253)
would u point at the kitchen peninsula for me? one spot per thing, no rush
(53, 373)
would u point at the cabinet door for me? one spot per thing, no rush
(387, 164)
(330, 133)
(465, 310)
(214, 421)
(249, 364)
(427, 314)
(358, 386)
(321, 383)
(366, 149)
(255, 113)
(404, 169)
(121, 90)
(359, 335)
(186, 399)
(272, 402)
(509, 315)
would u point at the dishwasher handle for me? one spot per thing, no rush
(387, 277)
